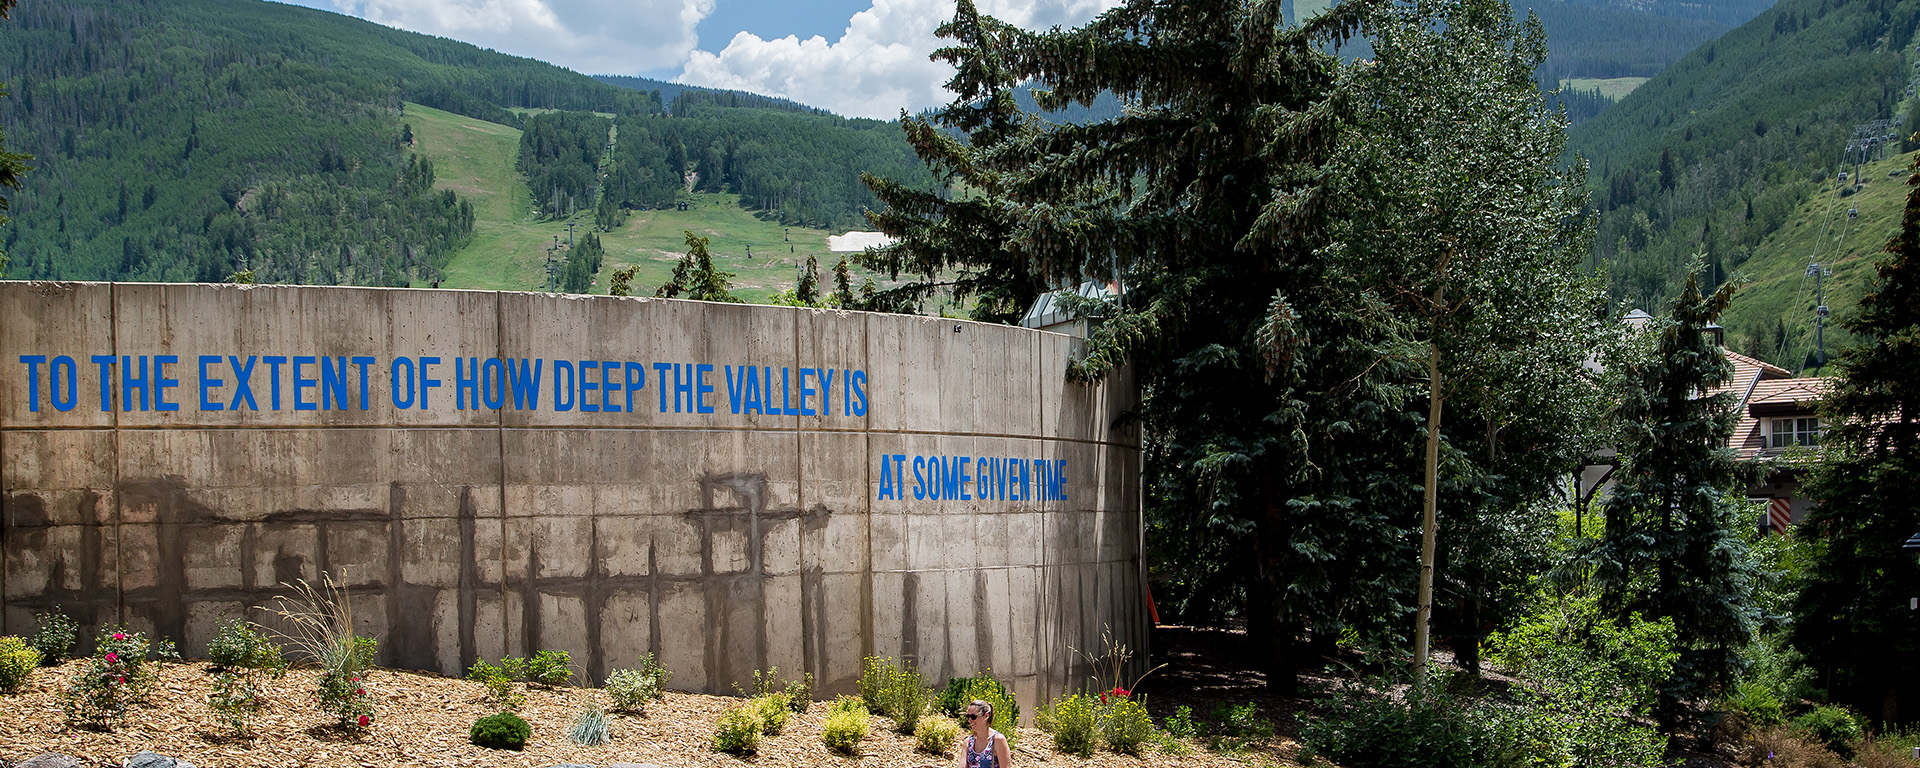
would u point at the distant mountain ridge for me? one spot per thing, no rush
(1728, 146)
(670, 94)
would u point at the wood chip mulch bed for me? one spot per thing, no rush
(423, 720)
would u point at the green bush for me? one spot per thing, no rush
(116, 677)
(1836, 727)
(1243, 722)
(1424, 729)
(631, 689)
(1591, 685)
(504, 730)
(1180, 724)
(893, 690)
(1125, 726)
(961, 691)
(846, 725)
(936, 735)
(500, 690)
(800, 693)
(1757, 704)
(235, 699)
(738, 732)
(589, 728)
(550, 668)
(54, 639)
(241, 645)
(1073, 724)
(17, 661)
(772, 712)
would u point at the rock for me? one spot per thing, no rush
(155, 760)
(569, 765)
(636, 765)
(51, 760)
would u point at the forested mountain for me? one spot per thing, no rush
(1718, 151)
(670, 93)
(1601, 41)
(798, 168)
(190, 139)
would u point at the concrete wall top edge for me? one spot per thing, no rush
(163, 355)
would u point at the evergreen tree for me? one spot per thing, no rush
(1275, 465)
(1672, 547)
(695, 277)
(843, 287)
(1853, 621)
(808, 289)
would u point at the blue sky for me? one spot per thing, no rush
(860, 58)
(772, 20)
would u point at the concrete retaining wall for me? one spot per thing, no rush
(721, 536)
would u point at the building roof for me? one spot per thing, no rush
(1765, 391)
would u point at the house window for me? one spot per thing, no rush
(1798, 431)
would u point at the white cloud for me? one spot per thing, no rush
(590, 36)
(878, 66)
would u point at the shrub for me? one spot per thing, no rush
(936, 735)
(17, 661)
(962, 691)
(1243, 722)
(503, 730)
(236, 698)
(589, 728)
(738, 732)
(319, 625)
(1180, 724)
(1756, 704)
(1784, 747)
(116, 677)
(772, 712)
(343, 685)
(1425, 728)
(1125, 726)
(799, 693)
(550, 668)
(54, 639)
(1835, 727)
(846, 725)
(1072, 722)
(500, 691)
(631, 689)
(1884, 752)
(241, 645)
(895, 691)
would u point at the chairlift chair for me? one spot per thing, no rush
(1853, 213)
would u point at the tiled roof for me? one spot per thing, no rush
(1763, 391)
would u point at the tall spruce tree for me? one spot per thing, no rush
(1467, 226)
(1672, 547)
(1852, 616)
(696, 278)
(1276, 439)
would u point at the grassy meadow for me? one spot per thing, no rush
(476, 159)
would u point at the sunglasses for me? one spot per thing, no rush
(974, 715)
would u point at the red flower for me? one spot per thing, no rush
(359, 691)
(112, 657)
(119, 636)
(363, 721)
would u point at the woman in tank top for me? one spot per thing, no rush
(985, 747)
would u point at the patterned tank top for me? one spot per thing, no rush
(983, 758)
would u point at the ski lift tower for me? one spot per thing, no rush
(1819, 273)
